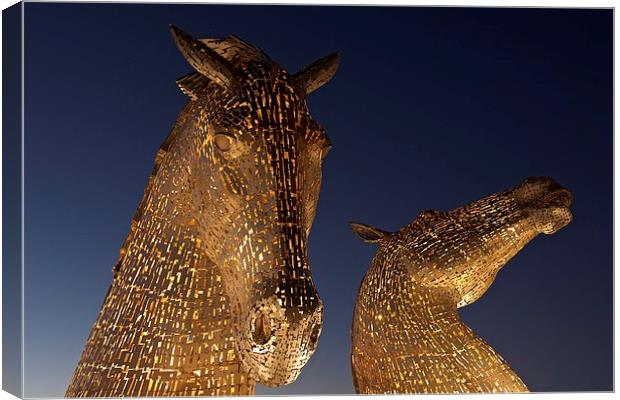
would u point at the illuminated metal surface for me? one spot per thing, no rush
(407, 336)
(212, 291)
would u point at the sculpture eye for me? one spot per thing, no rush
(223, 141)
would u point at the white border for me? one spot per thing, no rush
(513, 4)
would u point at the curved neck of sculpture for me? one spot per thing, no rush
(413, 341)
(451, 356)
(165, 326)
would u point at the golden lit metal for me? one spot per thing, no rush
(212, 291)
(407, 336)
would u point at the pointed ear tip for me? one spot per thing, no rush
(334, 57)
(353, 224)
(174, 31)
(177, 32)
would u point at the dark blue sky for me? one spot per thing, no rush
(431, 108)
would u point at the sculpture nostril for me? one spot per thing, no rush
(313, 340)
(262, 328)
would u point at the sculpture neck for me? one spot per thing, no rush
(408, 338)
(165, 326)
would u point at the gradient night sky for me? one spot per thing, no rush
(431, 108)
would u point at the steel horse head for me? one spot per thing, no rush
(256, 187)
(212, 291)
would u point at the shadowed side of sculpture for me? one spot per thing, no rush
(212, 291)
(407, 336)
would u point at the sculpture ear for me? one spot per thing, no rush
(205, 60)
(367, 233)
(317, 74)
(193, 84)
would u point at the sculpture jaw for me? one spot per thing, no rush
(551, 220)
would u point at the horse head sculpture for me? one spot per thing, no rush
(236, 185)
(424, 272)
(258, 172)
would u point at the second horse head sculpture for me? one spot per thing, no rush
(407, 336)
(213, 291)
